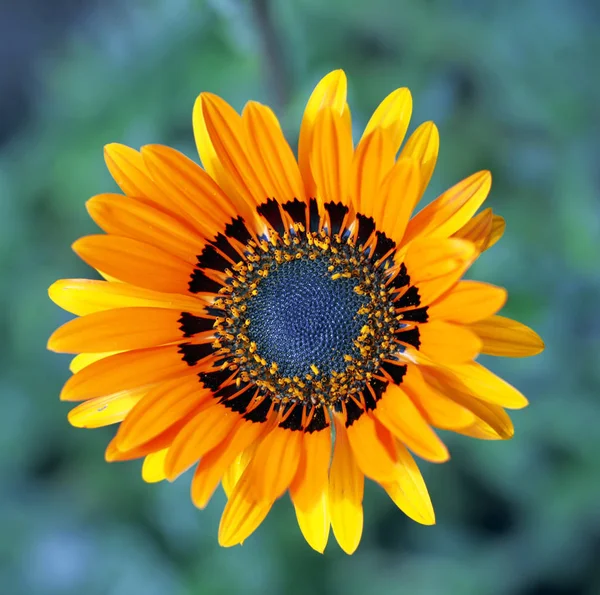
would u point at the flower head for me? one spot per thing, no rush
(284, 325)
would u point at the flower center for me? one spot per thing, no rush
(301, 318)
(307, 317)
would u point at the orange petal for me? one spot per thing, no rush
(477, 229)
(275, 463)
(482, 430)
(271, 154)
(142, 220)
(498, 227)
(229, 141)
(104, 411)
(491, 421)
(236, 469)
(392, 117)
(157, 443)
(126, 371)
(86, 296)
(450, 211)
(435, 265)
(468, 301)
(331, 157)
(373, 159)
(400, 191)
(329, 93)
(408, 491)
(346, 488)
(211, 162)
(215, 463)
(437, 408)
(423, 147)
(212, 425)
(399, 414)
(312, 475)
(206, 206)
(445, 342)
(314, 521)
(117, 330)
(83, 360)
(161, 408)
(153, 469)
(129, 171)
(373, 450)
(507, 337)
(134, 262)
(243, 513)
(479, 382)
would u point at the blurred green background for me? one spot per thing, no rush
(513, 87)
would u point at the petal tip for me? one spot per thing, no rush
(55, 289)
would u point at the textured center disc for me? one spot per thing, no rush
(302, 317)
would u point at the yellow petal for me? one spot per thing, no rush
(104, 411)
(479, 382)
(331, 157)
(153, 469)
(468, 301)
(373, 159)
(312, 474)
(491, 423)
(392, 117)
(409, 491)
(423, 147)
(236, 469)
(86, 296)
(314, 521)
(346, 488)
(400, 192)
(243, 513)
(330, 92)
(507, 337)
(86, 359)
(498, 227)
(483, 430)
(477, 230)
(450, 211)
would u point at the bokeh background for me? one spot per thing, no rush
(513, 87)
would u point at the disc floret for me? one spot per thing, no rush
(347, 324)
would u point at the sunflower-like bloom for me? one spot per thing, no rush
(284, 325)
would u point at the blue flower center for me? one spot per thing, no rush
(301, 318)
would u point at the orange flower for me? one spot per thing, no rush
(262, 312)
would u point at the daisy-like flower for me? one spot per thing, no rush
(284, 325)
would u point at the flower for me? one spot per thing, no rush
(285, 325)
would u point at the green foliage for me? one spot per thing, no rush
(513, 87)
